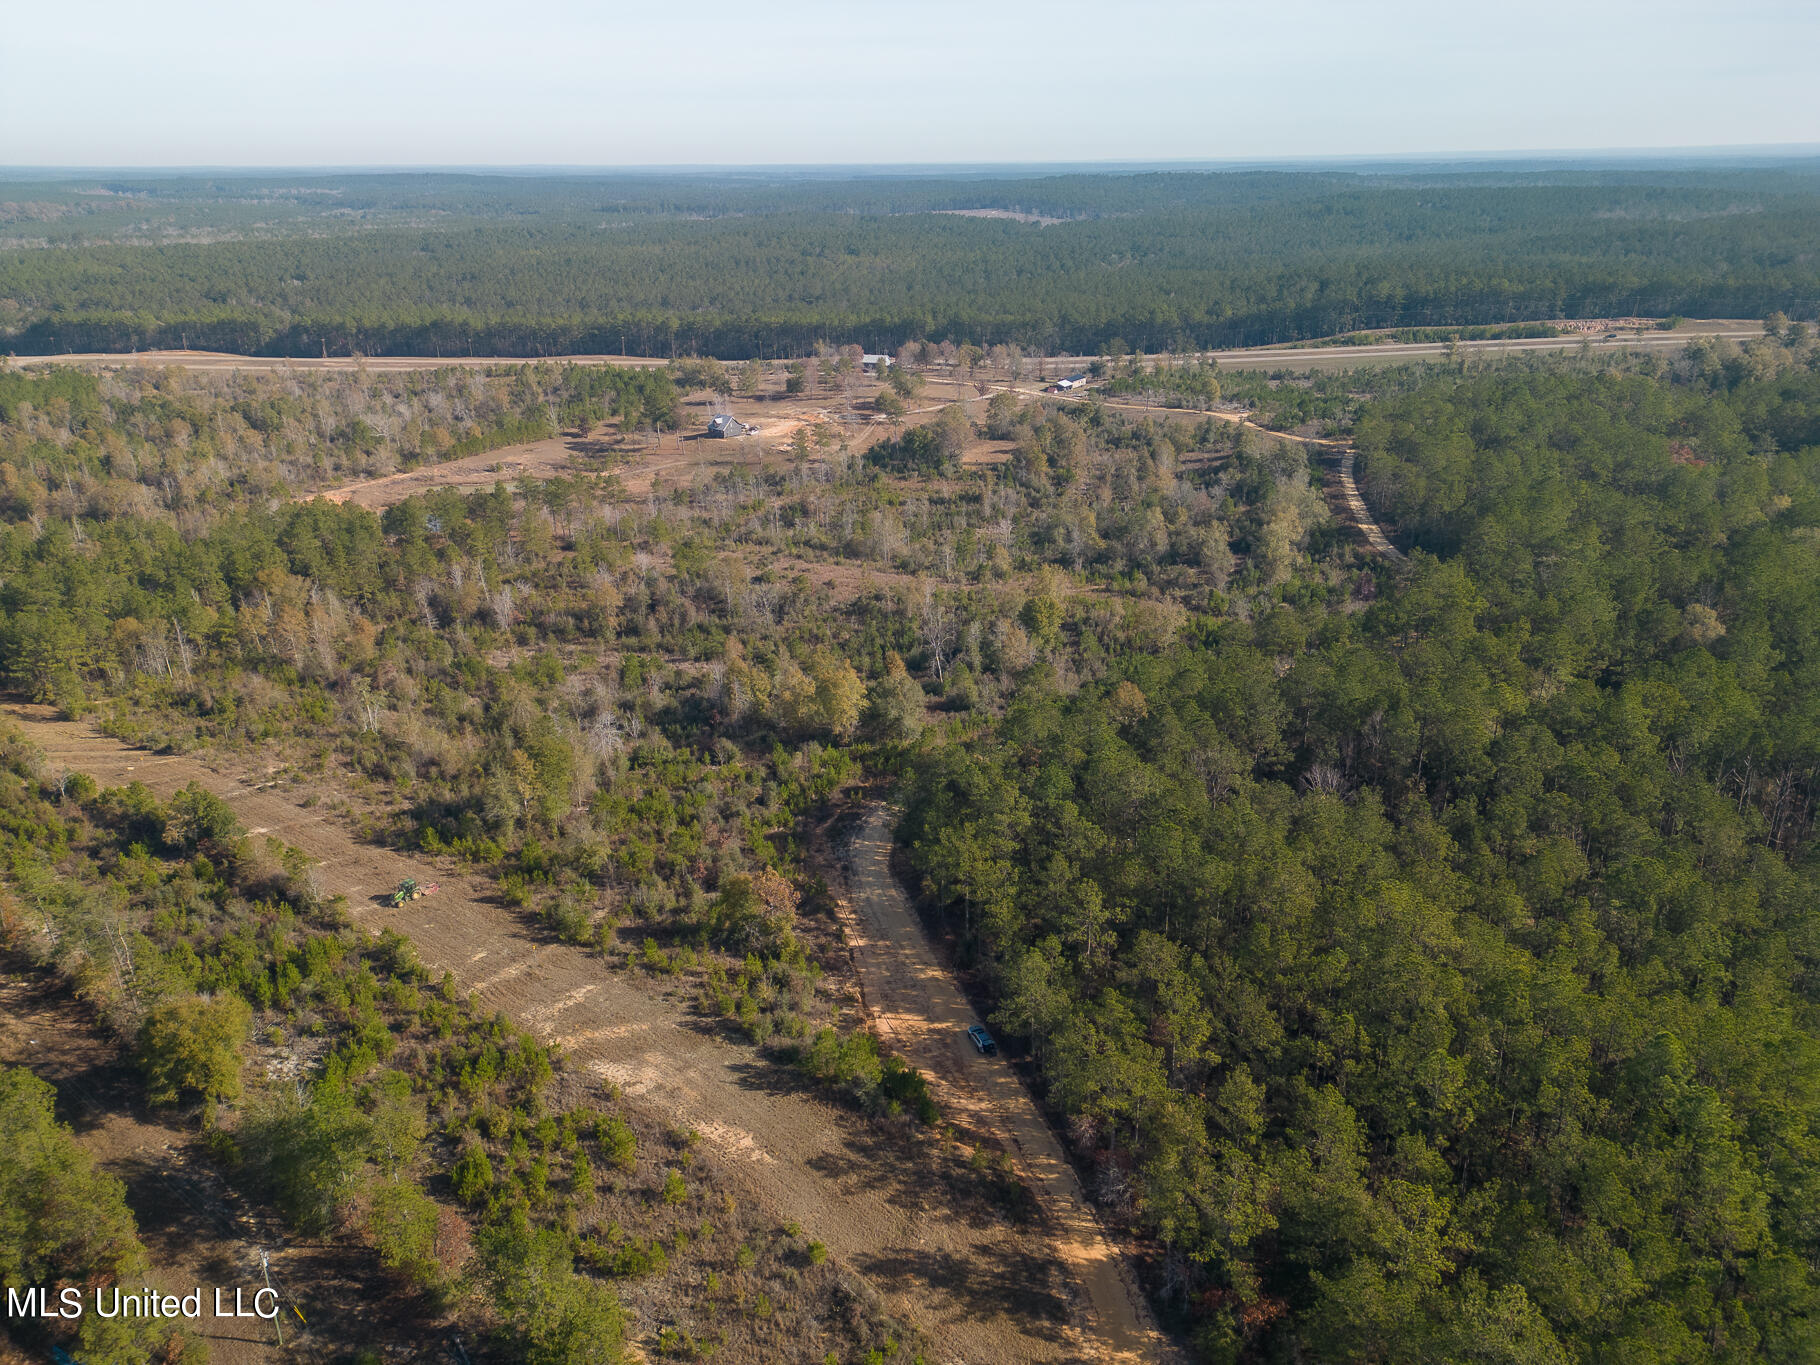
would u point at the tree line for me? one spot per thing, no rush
(1184, 261)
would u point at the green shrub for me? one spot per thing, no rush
(308, 1153)
(618, 1143)
(191, 1047)
(568, 920)
(472, 1175)
(555, 1316)
(402, 1224)
(198, 820)
(629, 1261)
(903, 1084)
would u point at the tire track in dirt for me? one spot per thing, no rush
(985, 1291)
(917, 1007)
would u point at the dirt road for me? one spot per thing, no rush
(917, 1007)
(1350, 498)
(553, 457)
(223, 360)
(1268, 357)
(985, 1290)
(1361, 514)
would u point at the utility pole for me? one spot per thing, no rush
(265, 1266)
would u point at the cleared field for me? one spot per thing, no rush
(558, 456)
(648, 463)
(985, 1288)
(1350, 357)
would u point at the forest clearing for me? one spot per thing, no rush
(984, 1288)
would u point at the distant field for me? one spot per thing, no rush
(1340, 357)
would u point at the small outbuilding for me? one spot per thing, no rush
(724, 425)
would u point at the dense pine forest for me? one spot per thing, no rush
(1428, 961)
(1418, 958)
(753, 264)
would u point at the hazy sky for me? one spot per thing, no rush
(381, 82)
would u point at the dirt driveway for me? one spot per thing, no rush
(985, 1290)
(917, 1007)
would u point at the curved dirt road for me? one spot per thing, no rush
(553, 457)
(920, 1011)
(985, 1291)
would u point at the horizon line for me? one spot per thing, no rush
(1792, 151)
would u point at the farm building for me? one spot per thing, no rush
(724, 425)
(877, 364)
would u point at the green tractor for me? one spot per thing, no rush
(411, 889)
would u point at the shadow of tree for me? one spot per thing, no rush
(1016, 1284)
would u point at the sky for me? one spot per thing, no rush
(731, 82)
